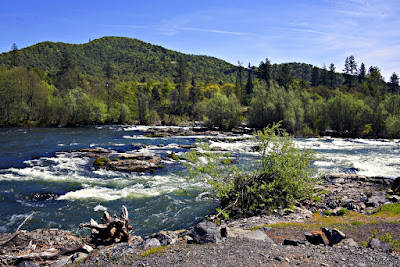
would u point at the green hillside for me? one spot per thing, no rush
(132, 59)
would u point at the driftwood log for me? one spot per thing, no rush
(111, 230)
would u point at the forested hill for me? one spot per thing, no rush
(131, 59)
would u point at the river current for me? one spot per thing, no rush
(43, 160)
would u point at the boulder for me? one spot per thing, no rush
(349, 242)
(130, 165)
(206, 232)
(394, 198)
(396, 186)
(317, 237)
(166, 237)
(334, 235)
(375, 243)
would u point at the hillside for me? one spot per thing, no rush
(132, 59)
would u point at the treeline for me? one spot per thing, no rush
(308, 100)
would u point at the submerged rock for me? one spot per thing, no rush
(42, 196)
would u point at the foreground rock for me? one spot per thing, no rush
(350, 192)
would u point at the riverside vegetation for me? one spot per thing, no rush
(279, 177)
(122, 80)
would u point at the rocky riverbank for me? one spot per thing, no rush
(256, 241)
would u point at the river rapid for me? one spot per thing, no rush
(45, 161)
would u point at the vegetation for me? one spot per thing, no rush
(152, 251)
(279, 177)
(387, 238)
(100, 161)
(123, 80)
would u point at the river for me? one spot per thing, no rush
(44, 160)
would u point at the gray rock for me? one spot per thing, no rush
(375, 243)
(349, 242)
(166, 237)
(206, 232)
(150, 243)
(334, 236)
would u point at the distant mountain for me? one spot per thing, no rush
(131, 59)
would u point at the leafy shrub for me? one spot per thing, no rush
(326, 212)
(341, 212)
(278, 178)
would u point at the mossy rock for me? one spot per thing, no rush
(115, 159)
(160, 166)
(100, 161)
(173, 156)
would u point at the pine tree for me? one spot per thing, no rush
(324, 75)
(14, 55)
(315, 76)
(264, 71)
(361, 73)
(249, 83)
(350, 69)
(332, 75)
(394, 83)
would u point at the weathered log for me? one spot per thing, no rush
(51, 253)
(112, 230)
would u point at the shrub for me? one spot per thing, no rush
(278, 178)
(326, 212)
(341, 212)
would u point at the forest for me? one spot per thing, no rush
(123, 80)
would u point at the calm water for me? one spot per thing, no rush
(43, 160)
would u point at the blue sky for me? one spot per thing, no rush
(316, 32)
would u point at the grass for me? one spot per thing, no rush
(389, 210)
(153, 251)
(386, 213)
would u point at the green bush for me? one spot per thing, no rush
(326, 212)
(278, 178)
(341, 212)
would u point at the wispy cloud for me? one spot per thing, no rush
(299, 30)
(217, 31)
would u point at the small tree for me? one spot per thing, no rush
(279, 177)
(223, 111)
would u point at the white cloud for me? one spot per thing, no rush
(217, 31)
